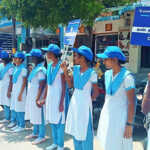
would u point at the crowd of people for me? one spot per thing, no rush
(38, 93)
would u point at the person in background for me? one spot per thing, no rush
(34, 109)
(55, 97)
(117, 115)
(146, 109)
(6, 85)
(19, 91)
(84, 81)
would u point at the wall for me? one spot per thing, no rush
(119, 25)
(135, 53)
(135, 58)
(99, 27)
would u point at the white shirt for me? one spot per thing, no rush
(4, 85)
(79, 108)
(19, 106)
(33, 112)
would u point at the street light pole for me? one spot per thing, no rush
(14, 35)
(14, 40)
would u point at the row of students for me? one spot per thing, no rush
(13, 91)
(45, 103)
(31, 106)
(117, 116)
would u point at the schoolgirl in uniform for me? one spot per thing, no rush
(115, 124)
(6, 84)
(34, 109)
(13, 119)
(55, 110)
(79, 118)
(19, 91)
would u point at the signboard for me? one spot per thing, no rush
(18, 43)
(71, 32)
(141, 27)
(23, 35)
(108, 27)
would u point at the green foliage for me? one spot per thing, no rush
(50, 13)
(116, 3)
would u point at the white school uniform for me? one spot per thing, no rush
(32, 111)
(113, 118)
(4, 88)
(19, 106)
(78, 113)
(54, 92)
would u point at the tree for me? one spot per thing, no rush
(116, 3)
(50, 13)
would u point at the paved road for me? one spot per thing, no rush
(16, 141)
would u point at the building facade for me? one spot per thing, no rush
(116, 30)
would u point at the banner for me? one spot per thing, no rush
(141, 27)
(71, 32)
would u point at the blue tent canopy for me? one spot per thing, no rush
(4, 22)
(129, 8)
(107, 18)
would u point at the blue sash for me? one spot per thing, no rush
(17, 72)
(113, 86)
(80, 80)
(33, 73)
(1, 66)
(4, 70)
(67, 100)
(52, 72)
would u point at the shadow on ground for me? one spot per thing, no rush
(11, 137)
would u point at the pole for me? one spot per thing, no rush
(14, 36)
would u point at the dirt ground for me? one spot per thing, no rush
(15, 141)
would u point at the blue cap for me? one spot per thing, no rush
(112, 52)
(35, 52)
(53, 48)
(19, 55)
(84, 51)
(4, 55)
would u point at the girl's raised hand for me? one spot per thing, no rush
(64, 66)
